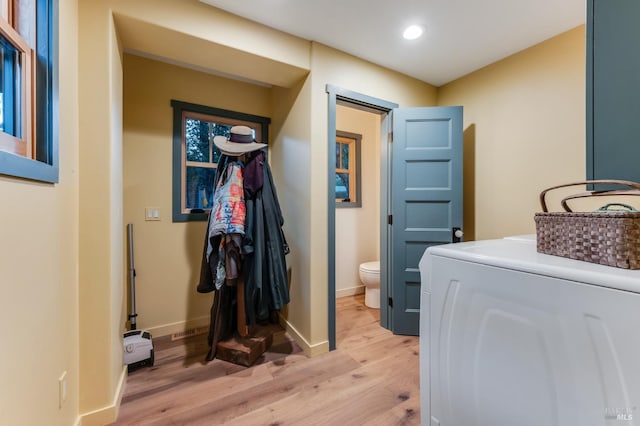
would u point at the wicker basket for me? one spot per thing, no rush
(606, 237)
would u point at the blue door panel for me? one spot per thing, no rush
(439, 134)
(428, 174)
(426, 199)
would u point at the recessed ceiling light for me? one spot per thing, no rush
(412, 32)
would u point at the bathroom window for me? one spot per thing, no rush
(195, 157)
(348, 169)
(28, 144)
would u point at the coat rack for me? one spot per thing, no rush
(248, 343)
(243, 328)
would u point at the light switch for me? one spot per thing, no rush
(151, 213)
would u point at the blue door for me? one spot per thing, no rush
(426, 201)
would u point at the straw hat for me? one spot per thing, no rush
(240, 141)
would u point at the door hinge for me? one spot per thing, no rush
(390, 137)
(391, 302)
(390, 219)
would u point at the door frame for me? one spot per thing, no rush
(340, 96)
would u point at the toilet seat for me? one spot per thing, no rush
(370, 267)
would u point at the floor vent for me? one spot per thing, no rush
(196, 331)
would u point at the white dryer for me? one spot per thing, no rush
(509, 336)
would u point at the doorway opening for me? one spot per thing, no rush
(350, 101)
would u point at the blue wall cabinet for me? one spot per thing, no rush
(613, 89)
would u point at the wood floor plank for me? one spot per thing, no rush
(183, 361)
(334, 403)
(365, 336)
(372, 378)
(405, 413)
(291, 382)
(383, 348)
(184, 396)
(346, 399)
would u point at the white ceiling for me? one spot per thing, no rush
(460, 36)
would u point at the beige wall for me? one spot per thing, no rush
(299, 155)
(62, 257)
(290, 156)
(39, 270)
(330, 66)
(162, 28)
(524, 124)
(299, 139)
(358, 229)
(216, 39)
(100, 263)
(168, 254)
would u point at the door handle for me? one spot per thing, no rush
(457, 235)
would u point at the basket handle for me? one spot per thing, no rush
(630, 184)
(625, 208)
(597, 194)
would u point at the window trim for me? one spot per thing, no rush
(181, 108)
(357, 182)
(21, 145)
(44, 165)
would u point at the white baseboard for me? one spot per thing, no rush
(308, 349)
(179, 326)
(108, 414)
(349, 291)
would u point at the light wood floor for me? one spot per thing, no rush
(372, 378)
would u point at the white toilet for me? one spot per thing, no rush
(370, 277)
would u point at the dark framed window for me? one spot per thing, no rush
(348, 192)
(195, 157)
(28, 89)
